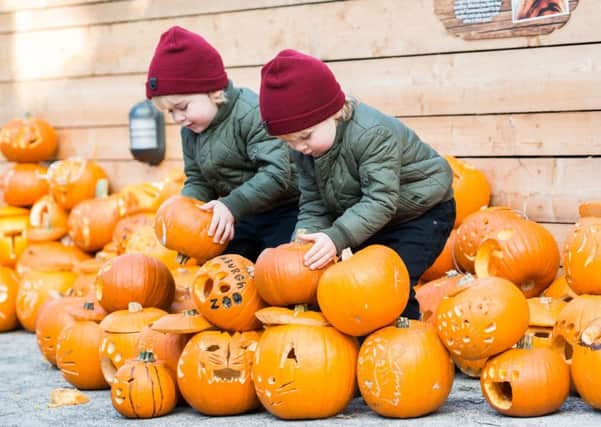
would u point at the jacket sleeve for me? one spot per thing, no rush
(195, 185)
(274, 170)
(313, 214)
(378, 155)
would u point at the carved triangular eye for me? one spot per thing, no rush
(292, 355)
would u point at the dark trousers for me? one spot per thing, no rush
(264, 230)
(418, 242)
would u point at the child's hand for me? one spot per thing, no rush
(222, 225)
(322, 251)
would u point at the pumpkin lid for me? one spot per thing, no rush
(544, 310)
(186, 322)
(132, 320)
(89, 266)
(285, 316)
(88, 310)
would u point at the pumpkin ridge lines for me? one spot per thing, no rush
(156, 371)
(129, 392)
(154, 409)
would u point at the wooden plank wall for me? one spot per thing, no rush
(526, 110)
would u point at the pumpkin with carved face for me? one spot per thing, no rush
(214, 372)
(49, 256)
(13, 234)
(303, 367)
(9, 286)
(225, 293)
(47, 221)
(91, 222)
(582, 258)
(28, 140)
(586, 364)
(144, 388)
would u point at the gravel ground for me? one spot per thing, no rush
(29, 379)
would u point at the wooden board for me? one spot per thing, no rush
(496, 22)
(337, 31)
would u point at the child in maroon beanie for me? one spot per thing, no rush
(246, 176)
(364, 177)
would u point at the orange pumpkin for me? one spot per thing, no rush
(144, 388)
(53, 317)
(49, 256)
(127, 226)
(526, 382)
(471, 368)
(74, 180)
(365, 292)
(590, 208)
(184, 279)
(522, 252)
(85, 283)
(180, 225)
(121, 332)
(470, 187)
(404, 371)
(29, 140)
(144, 241)
(214, 372)
(24, 184)
(430, 294)
(9, 286)
(474, 229)
(296, 360)
(582, 258)
(225, 293)
(91, 222)
(586, 364)
(443, 263)
(47, 221)
(482, 320)
(13, 234)
(165, 346)
(283, 279)
(134, 278)
(137, 198)
(560, 289)
(544, 312)
(572, 320)
(35, 289)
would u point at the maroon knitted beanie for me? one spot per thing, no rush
(297, 91)
(184, 63)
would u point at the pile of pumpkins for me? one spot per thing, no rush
(128, 291)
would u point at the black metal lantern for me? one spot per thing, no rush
(147, 133)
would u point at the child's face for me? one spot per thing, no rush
(196, 112)
(314, 141)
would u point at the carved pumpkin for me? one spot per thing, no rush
(29, 140)
(144, 241)
(483, 319)
(24, 184)
(49, 256)
(526, 382)
(474, 229)
(522, 252)
(127, 226)
(181, 226)
(365, 292)
(77, 355)
(404, 371)
(184, 279)
(443, 263)
(85, 283)
(544, 312)
(74, 180)
(559, 289)
(470, 187)
(430, 294)
(53, 317)
(575, 316)
(582, 257)
(9, 286)
(47, 221)
(303, 368)
(13, 234)
(586, 364)
(35, 289)
(225, 293)
(144, 388)
(214, 372)
(121, 331)
(134, 278)
(91, 222)
(137, 198)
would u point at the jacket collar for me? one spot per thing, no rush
(231, 93)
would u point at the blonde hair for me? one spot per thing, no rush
(219, 97)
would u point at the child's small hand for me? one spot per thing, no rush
(222, 225)
(322, 251)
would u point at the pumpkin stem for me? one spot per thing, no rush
(301, 308)
(88, 305)
(134, 307)
(347, 253)
(300, 232)
(191, 312)
(402, 323)
(181, 259)
(525, 343)
(147, 356)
